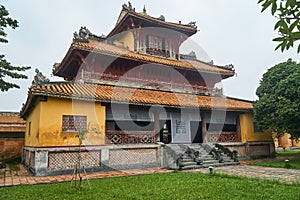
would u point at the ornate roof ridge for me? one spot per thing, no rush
(128, 8)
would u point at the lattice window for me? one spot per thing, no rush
(68, 160)
(132, 156)
(73, 123)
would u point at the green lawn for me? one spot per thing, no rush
(176, 185)
(279, 162)
(291, 153)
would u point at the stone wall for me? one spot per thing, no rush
(239, 147)
(252, 150)
(260, 149)
(11, 147)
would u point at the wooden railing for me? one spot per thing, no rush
(130, 137)
(157, 84)
(223, 137)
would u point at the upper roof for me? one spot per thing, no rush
(127, 95)
(101, 47)
(87, 42)
(128, 15)
(11, 122)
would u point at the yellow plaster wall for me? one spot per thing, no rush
(51, 112)
(32, 135)
(126, 39)
(285, 141)
(296, 143)
(247, 130)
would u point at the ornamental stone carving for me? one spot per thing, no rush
(39, 78)
(83, 35)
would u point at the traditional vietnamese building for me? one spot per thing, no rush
(137, 99)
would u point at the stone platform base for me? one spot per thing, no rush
(252, 150)
(43, 161)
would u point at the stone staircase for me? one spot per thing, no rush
(196, 156)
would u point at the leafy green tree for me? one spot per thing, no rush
(278, 107)
(288, 14)
(6, 69)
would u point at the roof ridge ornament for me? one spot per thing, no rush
(83, 35)
(128, 7)
(39, 78)
(162, 18)
(229, 66)
(192, 24)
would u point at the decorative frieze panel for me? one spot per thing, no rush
(214, 137)
(68, 160)
(121, 157)
(130, 137)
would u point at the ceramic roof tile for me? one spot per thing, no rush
(102, 47)
(137, 96)
(11, 122)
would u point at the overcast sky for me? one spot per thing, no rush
(231, 32)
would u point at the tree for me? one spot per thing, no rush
(278, 107)
(6, 69)
(288, 14)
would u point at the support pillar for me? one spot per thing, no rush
(238, 129)
(41, 163)
(204, 129)
(156, 126)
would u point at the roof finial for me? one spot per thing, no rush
(144, 9)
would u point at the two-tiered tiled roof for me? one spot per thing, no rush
(85, 43)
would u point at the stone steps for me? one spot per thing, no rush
(187, 162)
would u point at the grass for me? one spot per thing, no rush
(279, 162)
(176, 185)
(292, 153)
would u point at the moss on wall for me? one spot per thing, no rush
(47, 116)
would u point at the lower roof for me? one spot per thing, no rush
(134, 96)
(11, 122)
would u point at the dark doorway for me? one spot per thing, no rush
(196, 132)
(165, 131)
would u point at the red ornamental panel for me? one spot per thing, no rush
(130, 137)
(215, 137)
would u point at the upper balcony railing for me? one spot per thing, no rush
(137, 82)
